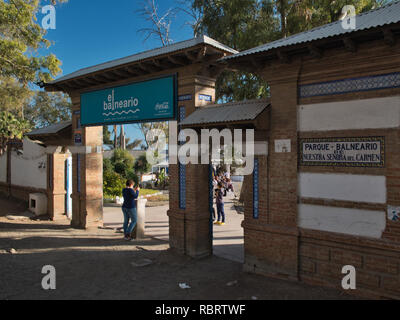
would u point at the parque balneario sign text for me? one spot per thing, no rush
(343, 152)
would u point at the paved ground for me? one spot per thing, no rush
(228, 239)
(98, 264)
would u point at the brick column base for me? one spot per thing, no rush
(271, 251)
(190, 234)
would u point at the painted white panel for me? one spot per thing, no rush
(29, 169)
(354, 222)
(3, 168)
(347, 115)
(346, 187)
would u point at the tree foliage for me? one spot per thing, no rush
(11, 127)
(13, 96)
(142, 166)
(116, 171)
(20, 38)
(47, 108)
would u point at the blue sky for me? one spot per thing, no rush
(90, 32)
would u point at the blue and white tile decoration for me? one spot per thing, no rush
(255, 189)
(384, 81)
(182, 170)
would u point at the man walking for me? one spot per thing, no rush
(129, 208)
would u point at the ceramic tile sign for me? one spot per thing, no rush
(394, 213)
(283, 146)
(78, 137)
(205, 97)
(343, 152)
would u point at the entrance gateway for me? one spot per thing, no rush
(308, 211)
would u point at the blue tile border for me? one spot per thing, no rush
(255, 189)
(378, 82)
(182, 186)
(182, 169)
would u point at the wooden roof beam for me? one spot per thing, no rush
(100, 78)
(389, 37)
(283, 56)
(121, 73)
(130, 72)
(177, 61)
(350, 45)
(202, 53)
(109, 76)
(190, 56)
(315, 52)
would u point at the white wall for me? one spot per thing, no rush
(354, 222)
(25, 169)
(346, 187)
(3, 167)
(377, 113)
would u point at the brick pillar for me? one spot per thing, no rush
(271, 242)
(197, 227)
(87, 173)
(189, 227)
(56, 185)
(9, 149)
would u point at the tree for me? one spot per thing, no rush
(141, 166)
(48, 108)
(145, 128)
(13, 96)
(107, 136)
(123, 162)
(240, 24)
(301, 15)
(20, 35)
(160, 23)
(11, 127)
(133, 145)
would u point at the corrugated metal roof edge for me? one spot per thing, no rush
(260, 48)
(231, 104)
(145, 55)
(42, 131)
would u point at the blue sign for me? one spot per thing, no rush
(147, 101)
(205, 97)
(185, 97)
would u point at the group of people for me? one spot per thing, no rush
(222, 185)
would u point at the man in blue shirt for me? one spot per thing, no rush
(129, 208)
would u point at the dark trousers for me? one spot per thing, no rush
(221, 212)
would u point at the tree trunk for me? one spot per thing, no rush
(115, 137)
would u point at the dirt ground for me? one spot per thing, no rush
(98, 264)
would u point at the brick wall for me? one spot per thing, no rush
(322, 256)
(274, 245)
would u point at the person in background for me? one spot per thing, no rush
(129, 208)
(230, 185)
(220, 204)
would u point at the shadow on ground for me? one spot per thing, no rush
(98, 264)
